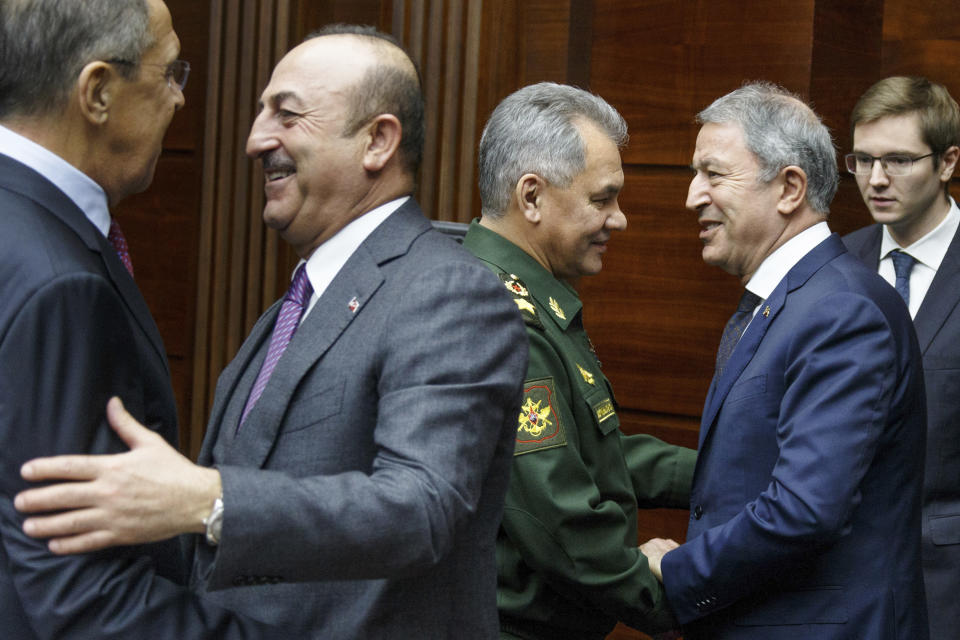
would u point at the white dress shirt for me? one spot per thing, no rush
(78, 186)
(772, 270)
(928, 252)
(326, 260)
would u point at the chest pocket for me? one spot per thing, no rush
(601, 404)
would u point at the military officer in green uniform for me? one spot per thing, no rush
(568, 561)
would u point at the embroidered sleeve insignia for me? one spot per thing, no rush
(538, 425)
(587, 376)
(556, 309)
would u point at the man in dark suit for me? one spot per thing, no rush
(87, 90)
(806, 492)
(906, 133)
(358, 472)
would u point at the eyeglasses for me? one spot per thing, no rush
(176, 73)
(895, 164)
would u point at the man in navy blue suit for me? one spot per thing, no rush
(906, 133)
(806, 494)
(87, 90)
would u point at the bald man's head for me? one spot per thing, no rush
(390, 85)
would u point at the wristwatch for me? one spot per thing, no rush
(214, 522)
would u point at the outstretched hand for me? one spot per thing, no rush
(147, 494)
(655, 549)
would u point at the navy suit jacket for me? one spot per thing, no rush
(938, 330)
(364, 490)
(806, 492)
(74, 330)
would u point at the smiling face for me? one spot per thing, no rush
(913, 204)
(142, 110)
(739, 223)
(577, 220)
(315, 179)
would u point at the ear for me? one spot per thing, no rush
(96, 87)
(949, 163)
(793, 190)
(528, 194)
(384, 133)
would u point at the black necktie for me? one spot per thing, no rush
(735, 326)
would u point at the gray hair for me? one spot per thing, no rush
(781, 130)
(44, 44)
(534, 131)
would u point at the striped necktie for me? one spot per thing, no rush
(288, 320)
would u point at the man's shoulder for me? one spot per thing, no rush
(859, 240)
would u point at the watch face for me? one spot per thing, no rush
(214, 522)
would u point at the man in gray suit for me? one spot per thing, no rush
(357, 455)
(906, 133)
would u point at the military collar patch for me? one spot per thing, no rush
(555, 306)
(587, 376)
(538, 425)
(520, 294)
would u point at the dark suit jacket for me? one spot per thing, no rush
(938, 329)
(807, 487)
(376, 461)
(74, 330)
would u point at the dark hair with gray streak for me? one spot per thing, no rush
(44, 44)
(385, 88)
(781, 130)
(534, 131)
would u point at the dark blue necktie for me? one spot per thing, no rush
(735, 327)
(902, 266)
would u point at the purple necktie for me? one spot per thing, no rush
(119, 243)
(291, 311)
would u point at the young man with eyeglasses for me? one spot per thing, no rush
(906, 132)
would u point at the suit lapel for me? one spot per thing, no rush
(345, 299)
(768, 312)
(21, 179)
(942, 296)
(229, 380)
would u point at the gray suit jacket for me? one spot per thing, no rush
(938, 330)
(364, 490)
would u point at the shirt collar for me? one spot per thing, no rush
(327, 259)
(777, 264)
(931, 248)
(78, 186)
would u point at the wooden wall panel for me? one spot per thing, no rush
(655, 312)
(659, 62)
(241, 266)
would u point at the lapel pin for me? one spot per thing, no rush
(766, 312)
(353, 305)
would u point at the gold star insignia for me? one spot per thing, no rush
(524, 305)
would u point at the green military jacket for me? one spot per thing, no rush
(567, 559)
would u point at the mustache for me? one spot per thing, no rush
(277, 161)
